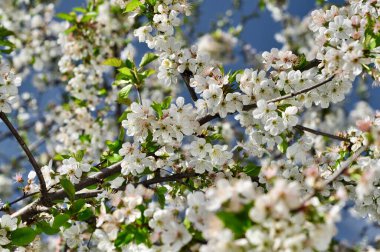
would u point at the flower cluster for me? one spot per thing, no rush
(134, 171)
(8, 224)
(9, 84)
(127, 204)
(275, 221)
(168, 126)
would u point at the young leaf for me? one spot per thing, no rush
(85, 214)
(60, 157)
(283, 146)
(79, 155)
(60, 220)
(252, 170)
(166, 102)
(148, 58)
(66, 17)
(23, 236)
(132, 5)
(238, 223)
(45, 227)
(115, 62)
(158, 108)
(161, 196)
(124, 92)
(77, 206)
(69, 188)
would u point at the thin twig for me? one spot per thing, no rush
(208, 118)
(317, 132)
(339, 171)
(291, 95)
(25, 148)
(186, 76)
(27, 212)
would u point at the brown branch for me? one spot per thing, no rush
(27, 213)
(25, 196)
(317, 132)
(170, 178)
(27, 126)
(28, 153)
(208, 118)
(186, 76)
(338, 172)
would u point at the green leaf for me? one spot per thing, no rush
(5, 45)
(132, 233)
(128, 74)
(69, 188)
(152, 2)
(148, 58)
(5, 32)
(88, 16)
(114, 146)
(79, 155)
(232, 77)
(302, 61)
(23, 236)
(60, 157)
(147, 73)
(77, 206)
(115, 62)
(71, 29)
(124, 92)
(120, 82)
(60, 220)
(283, 146)
(123, 116)
(252, 170)
(114, 158)
(124, 237)
(85, 214)
(166, 103)
(80, 9)
(132, 5)
(129, 63)
(158, 108)
(238, 223)
(85, 138)
(262, 5)
(66, 17)
(161, 191)
(46, 228)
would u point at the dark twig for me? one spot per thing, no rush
(339, 171)
(186, 76)
(25, 148)
(317, 132)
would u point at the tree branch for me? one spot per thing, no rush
(186, 76)
(339, 171)
(208, 118)
(29, 154)
(27, 212)
(317, 132)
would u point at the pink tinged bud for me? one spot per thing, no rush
(270, 172)
(18, 178)
(364, 125)
(312, 171)
(355, 20)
